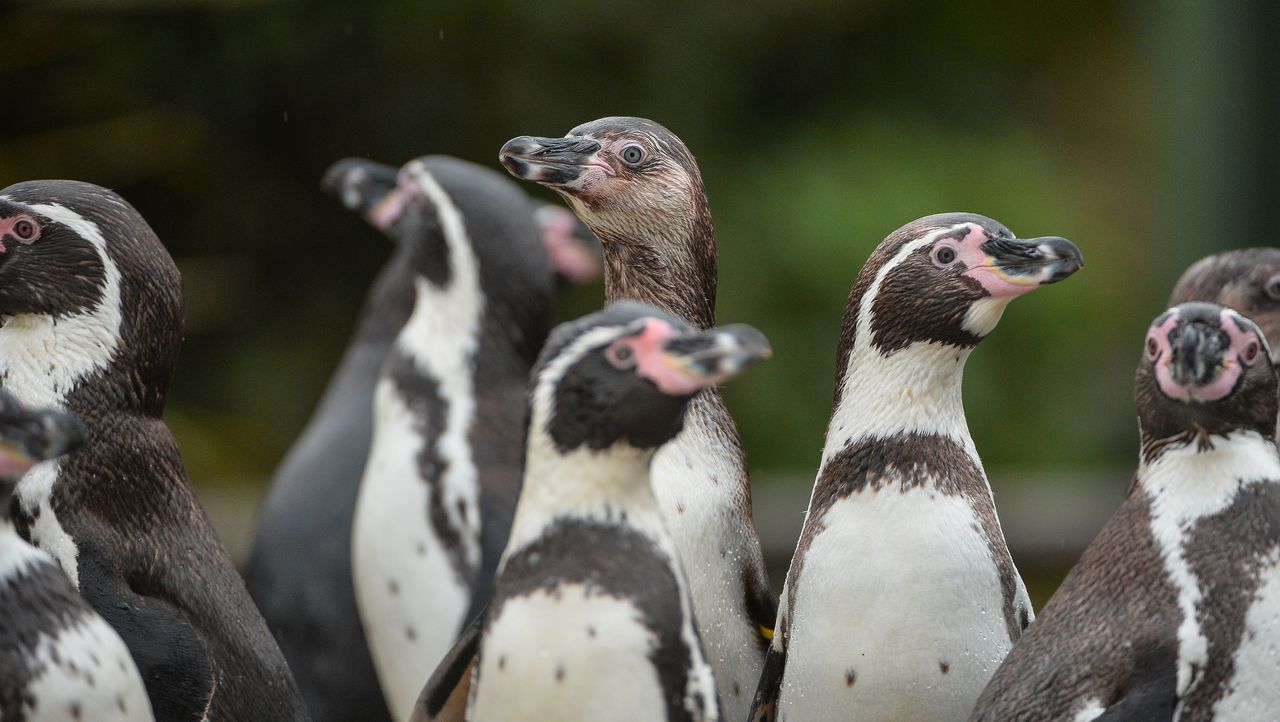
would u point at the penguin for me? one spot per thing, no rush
(902, 597)
(591, 617)
(1246, 279)
(638, 188)
(299, 569)
(92, 308)
(1173, 611)
(59, 660)
(443, 472)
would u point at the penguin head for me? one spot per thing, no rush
(1206, 370)
(624, 375)
(1246, 279)
(73, 249)
(29, 436)
(366, 188)
(637, 187)
(947, 278)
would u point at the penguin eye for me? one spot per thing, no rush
(621, 356)
(632, 155)
(1153, 348)
(1250, 352)
(25, 229)
(1273, 287)
(944, 255)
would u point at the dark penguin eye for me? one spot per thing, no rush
(621, 356)
(1153, 348)
(632, 155)
(26, 230)
(1273, 287)
(944, 255)
(1250, 352)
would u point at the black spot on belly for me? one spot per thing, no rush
(591, 631)
(502, 662)
(120, 703)
(75, 710)
(560, 672)
(737, 689)
(850, 677)
(393, 586)
(410, 633)
(942, 665)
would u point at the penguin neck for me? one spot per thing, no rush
(607, 486)
(1209, 468)
(915, 390)
(671, 265)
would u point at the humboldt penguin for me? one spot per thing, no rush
(638, 188)
(591, 617)
(59, 660)
(1173, 611)
(443, 472)
(92, 308)
(299, 570)
(902, 597)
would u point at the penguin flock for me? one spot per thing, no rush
(490, 518)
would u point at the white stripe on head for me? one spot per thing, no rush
(42, 359)
(915, 389)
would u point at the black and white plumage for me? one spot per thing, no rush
(300, 568)
(591, 616)
(59, 660)
(902, 597)
(92, 311)
(638, 188)
(1173, 611)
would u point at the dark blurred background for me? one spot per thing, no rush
(1143, 131)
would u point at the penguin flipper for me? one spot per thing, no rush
(444, 697)
(764, 708)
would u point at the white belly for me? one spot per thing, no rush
(702, 517)
(1253, 693)
(574, 656)
(410, 598)
(898, 613)
(90, 676)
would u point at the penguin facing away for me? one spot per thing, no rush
(93, 321)
(299, 570)
(591, 617)
(443, 474)
(902, 597)
(59, 660)
(638, 188)
(1173, 611)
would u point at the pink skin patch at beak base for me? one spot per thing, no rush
(981, 268)
(567, 255)
(13, 463)
(653, 363)
(1227, 376)
(387, 212)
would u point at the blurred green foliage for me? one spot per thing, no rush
(820, 127)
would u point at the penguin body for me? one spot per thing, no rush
(59, 660)
(300, 568)
(902, 598)
(93, 324)
(1173, 611)
(638, 188)
(591, 617)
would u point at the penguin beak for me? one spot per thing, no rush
(14, 461)
(29, 438)
(1012, 267)
(698, 360)
(1196, 354)
(366, 188)
(558, 163)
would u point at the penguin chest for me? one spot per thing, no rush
(897, 612)
(571, 653)
(414, 546)
(697, 493)
(1252, 693)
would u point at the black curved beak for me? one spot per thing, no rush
(362, 186)
(551, 161)
(1196, 353)
(1034, 261)
(718, 354)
